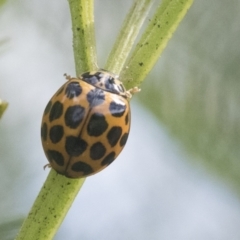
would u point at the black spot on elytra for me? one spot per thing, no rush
(82, 167)
(97, 151)
(74, 116)
(97, 125)
(56, 133)
(117, 110)
(75, 146)
(48, 107)
(108, 159)
(56, 157)
(56, 111)
(73, 89)
(123, 139)
(114, 135)
(95, 97)
(126, 119)
(44, 131)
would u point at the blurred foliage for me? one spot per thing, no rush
(3, 106)
(8, 230)
(196, 95)
(2, 2)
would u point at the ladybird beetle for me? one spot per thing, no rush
(86, 124)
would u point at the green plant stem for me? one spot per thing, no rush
(58, 192)
(127, 36)
(50, 207)
(84, 46)
(153, 41)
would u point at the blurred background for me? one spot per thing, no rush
(179, 174)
